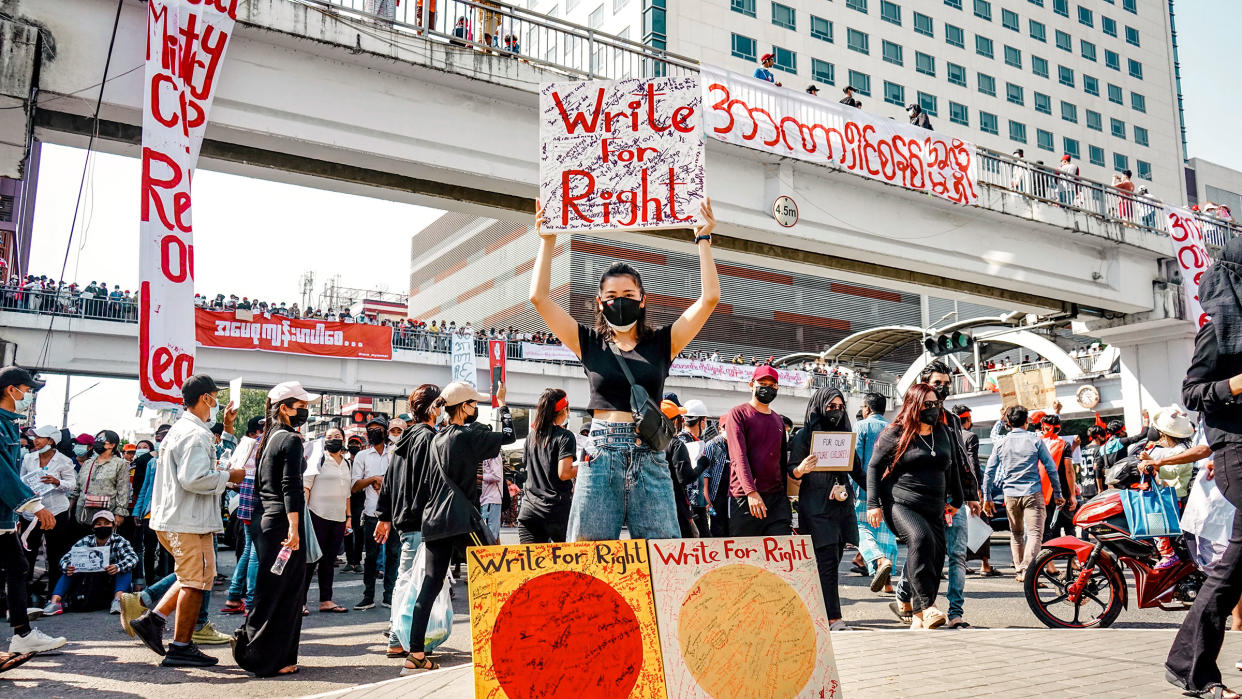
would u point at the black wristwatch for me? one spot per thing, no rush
(708, 238)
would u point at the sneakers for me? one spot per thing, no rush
(116, 607)
(209, 636)
(35, 642)
(840, 625)
(1168, 562)
(131, 608)
(53, 609)
(188, 656)
(149, 629)
(933, 618)
(366, 603)
(903, 615)
(883, 571)
(386, 604)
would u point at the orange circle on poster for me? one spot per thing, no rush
(744, 632)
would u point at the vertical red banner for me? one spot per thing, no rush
(496, 352)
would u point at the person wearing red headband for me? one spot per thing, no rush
(550, 472)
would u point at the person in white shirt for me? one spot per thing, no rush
(370, 467)
(52, 476)
(328, 482)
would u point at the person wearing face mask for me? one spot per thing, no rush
(396, 426)
(137, 455)
(99, 589)
(354, 445)
(913, 482)
(156, 564)
(185, 516)
(267, 644)
(52, 476)
(759, 462)
(625, 482)
(327, 482)
(82, 445)
(103, 481)
(826, 499)
(246, 573)
(369, 468)
(550, 472)
(1059, 519)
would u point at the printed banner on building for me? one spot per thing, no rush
(320, 338)
(186, 42)
(757, 114)
(732, 372)
(621, 154)
(547, 353)
(462, 353)
(1192, 258)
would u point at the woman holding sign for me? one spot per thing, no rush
(626, 481)
(909, 480)
(825, 498)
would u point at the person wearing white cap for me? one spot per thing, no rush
(1175, 430)
(267, 645)
(692, 434)
(52, 476)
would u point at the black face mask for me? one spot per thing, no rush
(942, 391)
(100, 447)
(299, 418)
(929, 416)
(622, 312)
(765, 394)
(833, 417)
(354, 449)
(333, 446)
(102, 533)
(472, 417)
(376, 436)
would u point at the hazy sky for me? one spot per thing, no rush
(1206, 34)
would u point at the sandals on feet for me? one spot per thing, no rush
(8, 661)
(420, 665)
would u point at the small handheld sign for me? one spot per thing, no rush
(834, 451)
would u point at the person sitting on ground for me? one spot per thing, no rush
(89, 591)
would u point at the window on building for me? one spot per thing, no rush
(1088, 49)
(983, 46)
(1132, 36)
(1065, 76)
(924, 63)
(1071, 147)
(618, 5)
(821, 28)
(1096, 155)
(924, 25)
(1069, 112)
(955, 4)
(1109, 25)
(744, 47)
(928, 103)
(1114, 94)
(894, 94)
(1138, 102)
(823, 71)
(1013, 93)
(987, 84)
(783, 16)
(1090, 85)
(1094, 121)
(956, 73)
(746, 7)
(1136, 69)
(1130, 6)
(1043, 103)
(1017, 131)
(1120, 162)
(1144, 169)
(858, 41)
(959, 114)
(1013, 57)
(891, 52)
(954, 36)
(860, 5)
(1140, 136)
(1036, 2)
(1118, 127)
(1064, 41)
(1085, 17)
(1009, 20)
(1043, 139)
(1038, 32)
(1039, 66)
(1112, 60)
(988, 123)
(890, 12)
(861, 82)
(596, 18)
(1061, 7)
(983, 9)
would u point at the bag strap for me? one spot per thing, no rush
(621, 360)
(456, 490)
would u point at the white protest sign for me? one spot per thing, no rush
(463, 357)
(834, 451)
(1192, 258)
(621, 154)
(235, 389)
(88, 559)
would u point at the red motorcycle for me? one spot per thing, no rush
(1080, 585)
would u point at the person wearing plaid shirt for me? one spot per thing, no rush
(241, 587)
(94, 587)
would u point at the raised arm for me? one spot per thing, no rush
(557, 319)
(695, 317)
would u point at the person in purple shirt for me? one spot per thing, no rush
(759, 462)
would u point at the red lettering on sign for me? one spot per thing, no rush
(151, 184)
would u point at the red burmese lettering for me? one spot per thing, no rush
(150, 184)
(579, 120)
(568, 201)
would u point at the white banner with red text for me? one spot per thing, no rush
(1192, 258)
(681, 367)
(186, 42)
(756, 114)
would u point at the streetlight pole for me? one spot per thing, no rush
(64, 416)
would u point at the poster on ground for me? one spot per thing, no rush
(620, 155)
(1192, 258)
(564, 620)
(742, 617)
(321, 338)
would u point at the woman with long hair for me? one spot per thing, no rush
(625, 482)
(826, 498)
(550, 472)
(326, 484)
(103, 481)
(910, 479)
(267, 645)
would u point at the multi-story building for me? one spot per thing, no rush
(1094, 78)
(1208, 182)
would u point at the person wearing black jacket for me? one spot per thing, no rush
(680, 469)
(1212, 387)
(404, 492)
(452, 498)
(825, 498)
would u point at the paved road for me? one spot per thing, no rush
(344, 651)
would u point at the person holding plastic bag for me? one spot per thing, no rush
(1175, 430)
(404, 597)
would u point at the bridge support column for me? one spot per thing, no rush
(1154, 358)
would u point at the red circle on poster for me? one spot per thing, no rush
(566, 634)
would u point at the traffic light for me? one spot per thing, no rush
(948, 343)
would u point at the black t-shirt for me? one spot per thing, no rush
(649, 362)
(546, 494)
(919, 479)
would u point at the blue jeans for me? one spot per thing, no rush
(245, 574)
(68, 582)
(154, 593)
(491, 514)
(622, 484)
(956, 535)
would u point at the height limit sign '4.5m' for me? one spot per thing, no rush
(621, 154)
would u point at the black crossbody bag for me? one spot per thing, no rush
(480, 534)
(653, 428)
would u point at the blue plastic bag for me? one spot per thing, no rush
(1151, 513)
(405, 594)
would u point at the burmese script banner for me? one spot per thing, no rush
(320, 338)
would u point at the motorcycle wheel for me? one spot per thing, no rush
(1098, 606)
